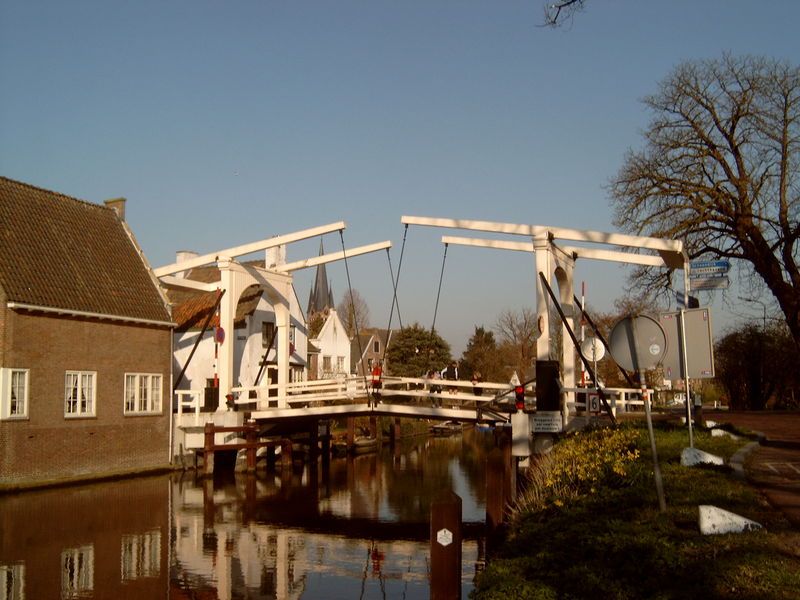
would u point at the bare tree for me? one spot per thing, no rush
(353, 311)
(517, 336)
(561, 12)
(720, 171)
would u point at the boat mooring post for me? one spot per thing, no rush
(446, 547)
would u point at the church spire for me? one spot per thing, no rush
(321, 296)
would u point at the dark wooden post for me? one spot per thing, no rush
(351, 434)
(208, 505)
(208, 449)
(446, 547)
(394, 437)
(250, 451)
(271, 459)
(495, 497)
(509, 467)
(286, 455)
(313, 441)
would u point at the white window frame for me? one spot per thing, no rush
(12, 581)
(85, 405)
(14, 408)
(145, 397)
(77, 571)
(340, 364)
(140, 555)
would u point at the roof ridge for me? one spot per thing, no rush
(54, 193)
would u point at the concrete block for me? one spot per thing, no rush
(714, 520)
(723, 433)
(692, 456)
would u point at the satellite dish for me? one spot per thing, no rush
(593, 349)
(638, 343)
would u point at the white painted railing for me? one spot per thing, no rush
(189, 401)
(620, 399)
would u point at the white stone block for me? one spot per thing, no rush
(715, 520)
(692, 456)
(710, 424)
(723, 433)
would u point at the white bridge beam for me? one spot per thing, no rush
(332, 257)
(248, 248)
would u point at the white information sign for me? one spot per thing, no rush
(444, 537)
(547, 421)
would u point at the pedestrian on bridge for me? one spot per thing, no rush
(377, 373)
(451, 373)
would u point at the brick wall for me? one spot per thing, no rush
(47, 446)
(39, 526)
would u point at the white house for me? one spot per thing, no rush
(254, 336)
(334, 349)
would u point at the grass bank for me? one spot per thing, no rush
(589, 526)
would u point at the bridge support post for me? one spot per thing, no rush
(313, 441)
(208, 506)
(286, 456)
(250, 452)
(271, 458)
(394, 435)
(208, 450)
(351, 433)
(446, 547)
(500, 486)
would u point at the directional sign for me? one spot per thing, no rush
(711, 283)
(715, 265)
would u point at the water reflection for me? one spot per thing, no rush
(358, 528)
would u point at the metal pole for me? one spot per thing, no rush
(662, 503)
(685, 365)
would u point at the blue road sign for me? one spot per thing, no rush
(709, 266)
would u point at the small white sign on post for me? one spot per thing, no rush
(547, 421)
(444, 537)
(594, 402)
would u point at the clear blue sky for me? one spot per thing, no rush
(229, 122)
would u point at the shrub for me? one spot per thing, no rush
(577, 466)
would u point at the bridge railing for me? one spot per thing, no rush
(620, 399)
(300, 393)
(189, 401)
(449, 391)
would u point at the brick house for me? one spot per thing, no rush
(368, 349)
(85, 343)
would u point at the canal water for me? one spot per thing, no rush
(357, 529)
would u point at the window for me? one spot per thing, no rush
(79, 394)
(141, 555)
(77, 572)
(340, 364)
(326, 364)
(376, 346)
(267, 334)
(12, 581)
(142, 393)
(14, 394)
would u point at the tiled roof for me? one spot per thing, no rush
(193, 310)
(63, 253)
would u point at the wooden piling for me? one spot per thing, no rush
(446, 547)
